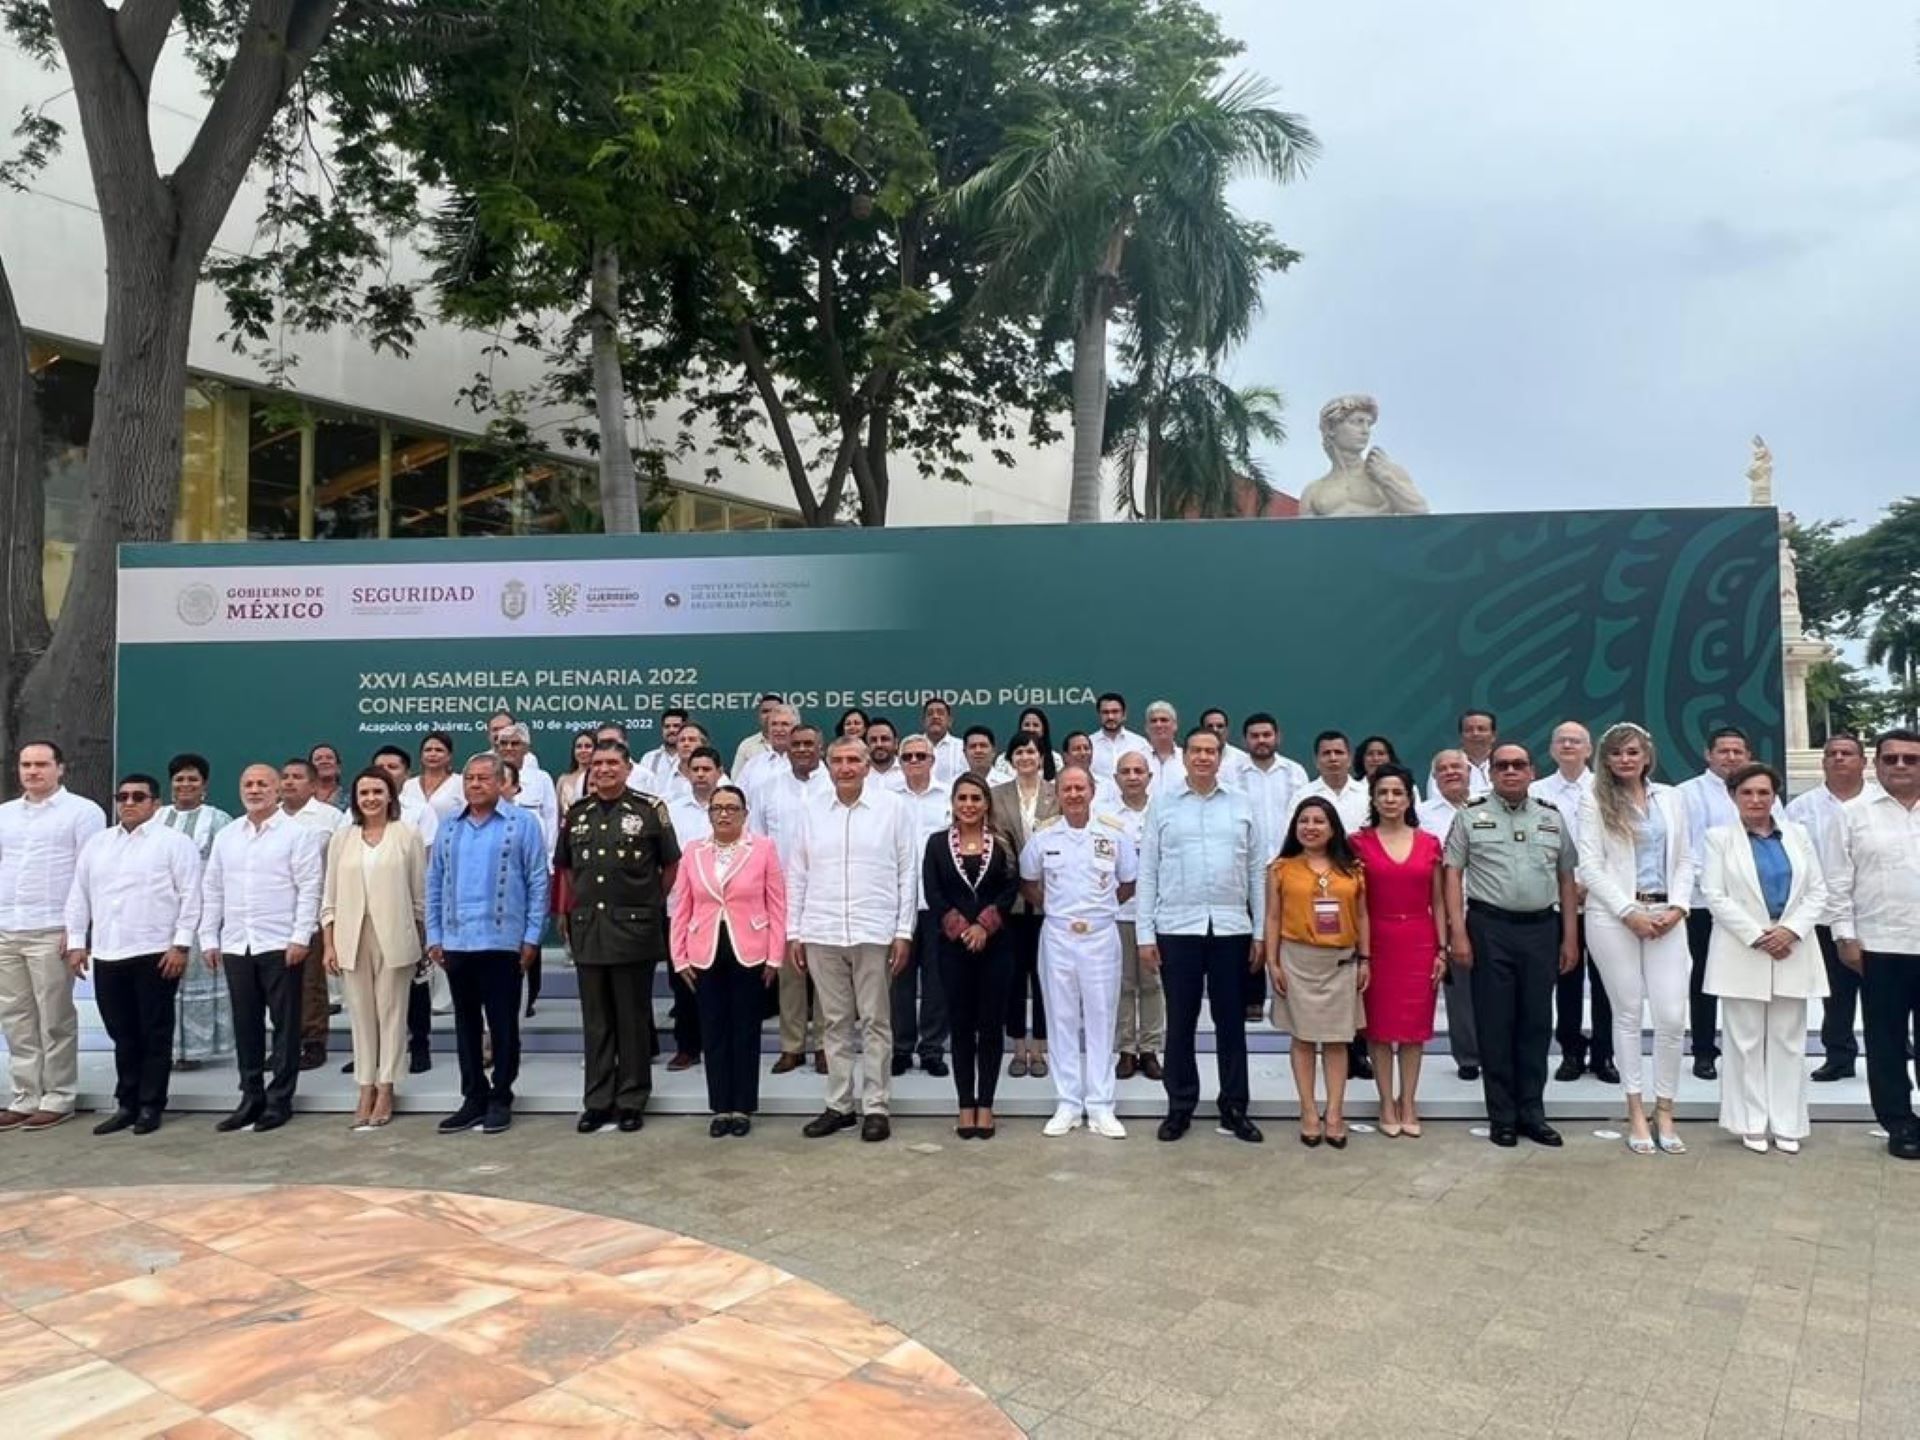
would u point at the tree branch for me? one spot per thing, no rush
(141, 28)
(755, 365)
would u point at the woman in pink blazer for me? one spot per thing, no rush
(729, 931)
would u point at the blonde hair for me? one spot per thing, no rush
(1616, 814)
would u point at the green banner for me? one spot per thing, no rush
(1389, 626)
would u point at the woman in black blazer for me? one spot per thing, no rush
(972, 876)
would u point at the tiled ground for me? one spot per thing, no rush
(1405, 1289)
(294, 1311)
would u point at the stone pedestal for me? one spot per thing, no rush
(1799, 655)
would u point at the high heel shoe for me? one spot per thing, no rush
(382, 1106)
(1338, 1142)
(1311, 1138)
(1670, 1144)
(363, 1112)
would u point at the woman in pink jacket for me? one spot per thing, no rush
(729, 909)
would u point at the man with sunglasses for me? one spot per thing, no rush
(1512, 907)
(919, 1003)
(1876, 928)
(132, 912)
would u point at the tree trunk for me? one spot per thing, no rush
(812, 511)
(23, 610)
(619, 489)
(1089, 407)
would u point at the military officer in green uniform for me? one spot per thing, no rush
(1512, 909)
(615, 862)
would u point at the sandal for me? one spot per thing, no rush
(1640, 1144)
(1018, 1069)
(1669, 1143)
(1037, 1067)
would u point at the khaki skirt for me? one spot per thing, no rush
(1322, 1003)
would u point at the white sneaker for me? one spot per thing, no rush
(1106, 1123)
(1064, 1122)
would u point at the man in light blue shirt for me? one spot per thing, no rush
(1202, 901)
(487, 885)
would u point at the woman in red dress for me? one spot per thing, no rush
(1407, 920)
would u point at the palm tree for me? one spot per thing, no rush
(1188, 442)
(1079, 208)
(1895, 643)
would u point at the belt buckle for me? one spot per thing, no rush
(1080, 927)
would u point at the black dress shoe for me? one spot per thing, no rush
(240, 1119)
(1469, 1073)
(499, 1119)
(1606, 1072)
(1835, 1070)
(1124, 1067)
(313, 1054)
(721, 1127)
(1705, 1069)
(1233, 1123)
(1904, 1144)
(115, 1123)
(1570, 1069)
(592, 1120)
(742, 1125)
(419, 1062)
(469, 1115)
(902, 1064)
(1174, 1126)
(271, 1120)
(829, 1122)
(630, 1121)
(875, 1127)
(347, 1069)
(1150, 1066)
(1543, 1134)
(935, 1066)
(147, 1123)
(1505, 1136)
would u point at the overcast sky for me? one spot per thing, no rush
(1581, 253)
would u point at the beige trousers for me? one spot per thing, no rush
(39, 1021)
(799, 1032)
(1142, 1026)
(853, 985)
(377, 1009)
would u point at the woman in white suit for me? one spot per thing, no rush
(1636, 866)
(1762, 880)
(373, 913)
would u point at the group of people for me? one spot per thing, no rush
(936, 893)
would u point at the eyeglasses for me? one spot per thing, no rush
(1510, 764)
(726, 809)
(131, 797)
(1900, 758)
(918, 757)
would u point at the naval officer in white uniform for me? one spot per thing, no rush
(1079, 871)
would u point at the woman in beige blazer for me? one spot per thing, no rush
(1762, 881)
(373, 912)
(1019, 806)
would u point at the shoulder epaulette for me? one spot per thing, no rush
(1050, 820)
(1476, 800)
(1542, 800)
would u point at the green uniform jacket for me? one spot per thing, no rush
(618, 853)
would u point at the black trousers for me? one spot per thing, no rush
(688, 1031)
(263, 988)
(1515, 966)
(976, 989)
(1889, 1004)
(1214, 966)
(729, 995)
(136, 1002)
(1024, 933)
(1837, 1011)
(919, 997)
(1567, 995)
(486, 1001)
(616, 1013)
(420, 1017)
(1703, 1008)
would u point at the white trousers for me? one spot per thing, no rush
(1649, 973)
(1080, 978)
(39, 1021)
(1763, 1067)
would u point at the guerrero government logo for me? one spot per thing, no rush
(513, 599)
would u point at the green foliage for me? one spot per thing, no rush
(1866, 586)
(1203, 433)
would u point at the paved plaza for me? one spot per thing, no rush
(1439, 1287)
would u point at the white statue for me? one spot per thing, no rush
(1789, 579)
(1363, 481)
(1760, 474)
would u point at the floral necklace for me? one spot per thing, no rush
(986, 851)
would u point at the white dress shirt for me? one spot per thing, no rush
(754, 745)
(1565, 796)
(135, 892)
(1133, 824)
(655, 766)
(420, 814)
(690, 822)
(1270, 792)
(1878, 876)
(850, 879)
(445, 801)
(40, 843)
(261, 888)
(1166, 775)
(949, 759)
(1200, 866)
(893, 778)
(761, 768)
(1107, 750)
(1821, 813)
(778, 804)
(540, 799)
(1350, 802)
(929, 812)
(1233, 760)
(1436, 814)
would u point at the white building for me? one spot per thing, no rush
(390, 451)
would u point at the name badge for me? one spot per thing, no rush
(1326, 917)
